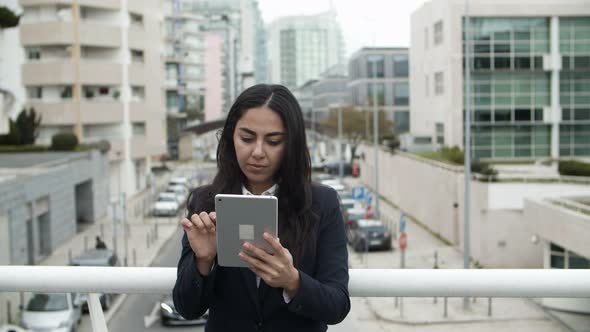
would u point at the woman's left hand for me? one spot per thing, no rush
(276, 269)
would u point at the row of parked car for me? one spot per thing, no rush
(363, 232)
(170, 201)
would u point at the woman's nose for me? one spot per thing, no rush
(258, 151)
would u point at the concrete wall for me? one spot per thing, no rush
(19, 199)
(433, 194)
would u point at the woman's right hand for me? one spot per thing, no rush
(201, 233)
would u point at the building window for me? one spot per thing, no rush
(440, 133)
(565, 259)
(401, 94)
(438, 83)
(137, 56)
(136, 20)
(380, 93)
(66, 92)
(425, 38)
(138, 128)
(375, 66)
(33, 53)
(401, 122)
(35, 92)
(137, 93)
(438, 33)
(400, 66)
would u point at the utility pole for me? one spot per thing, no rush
(340, 156)
(467, 147)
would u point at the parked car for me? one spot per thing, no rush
(367, 234)
(350, 216)
(180, 191)
(11, 328)
(166, 205)
(335, 184)
(97, 257)
(56, 312)
(180, 181)
(169, 315)
(334, 168)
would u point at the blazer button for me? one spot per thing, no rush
(299, 307)
(259, 325)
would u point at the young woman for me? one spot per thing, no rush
(304, 285)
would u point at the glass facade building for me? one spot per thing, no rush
(511, 87)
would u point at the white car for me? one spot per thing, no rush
(181, 193)
(56, 312)
(166, 205)
(334, 183)
(11, 328)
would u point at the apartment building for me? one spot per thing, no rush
(93, 68)
(530, 77)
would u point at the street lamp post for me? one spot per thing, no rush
(467, 147)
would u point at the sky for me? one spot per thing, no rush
(381, 23)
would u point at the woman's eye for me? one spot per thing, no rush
(247, 139)
(274, 143)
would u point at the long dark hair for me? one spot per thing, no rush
(297, 222)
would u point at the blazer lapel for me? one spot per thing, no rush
(249, 279)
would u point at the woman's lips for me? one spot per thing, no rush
(256, 168)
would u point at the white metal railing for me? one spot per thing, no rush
(363, 283)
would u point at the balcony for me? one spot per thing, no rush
(62, 33)
(65, 112)
(56, 73)
(106, 4)
(363, 283)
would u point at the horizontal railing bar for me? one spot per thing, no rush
(363, 282)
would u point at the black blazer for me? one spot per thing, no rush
(235, 303)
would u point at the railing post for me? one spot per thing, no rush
(8, 312)
(445, 315)
(85, 243)
(97, 318)
(489, 306)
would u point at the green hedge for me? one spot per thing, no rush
(23, 148)
(64, 142)
(574, 168)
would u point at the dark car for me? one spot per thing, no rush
(334, 168)
(97, 257)
(367, 234)
(170, 317)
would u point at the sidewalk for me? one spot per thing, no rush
(424, 311)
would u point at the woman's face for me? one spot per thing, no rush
(259, 140)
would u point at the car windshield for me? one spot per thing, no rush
(166, 199)
(48, 302)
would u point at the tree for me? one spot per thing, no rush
(13, 137)
(8, 19)
(354, 125)
(28, 123)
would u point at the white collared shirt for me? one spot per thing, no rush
(269, 192)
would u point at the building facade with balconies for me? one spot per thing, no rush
(530, 77)
(93, 68)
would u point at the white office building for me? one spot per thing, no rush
(530, 77)
(302, 47)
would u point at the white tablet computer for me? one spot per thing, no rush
(242, 218)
